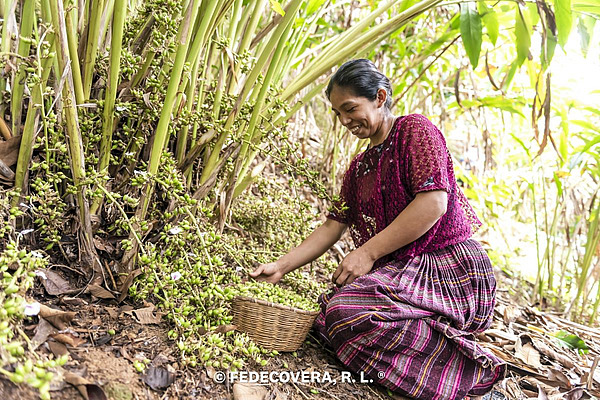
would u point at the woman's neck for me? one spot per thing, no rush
(384, 129)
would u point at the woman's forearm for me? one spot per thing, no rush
(317, 243)
(412, 223)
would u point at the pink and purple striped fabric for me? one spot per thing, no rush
(413, 324)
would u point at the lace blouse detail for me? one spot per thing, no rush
(384, 179)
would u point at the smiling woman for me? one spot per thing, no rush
(417, 288)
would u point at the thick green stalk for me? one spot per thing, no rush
(182, 137)
(593, 237)
(120, 11)
(104, 21)
(9, 7)
(87, 250)
(91, 47)
(27, 16)
(71, 23)
(34, 109)
(162, 129)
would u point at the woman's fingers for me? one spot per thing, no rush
(257, 271)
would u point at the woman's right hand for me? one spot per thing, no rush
(270, 272)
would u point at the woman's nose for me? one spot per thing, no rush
(344, 119)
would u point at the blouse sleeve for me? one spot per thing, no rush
(426, 156)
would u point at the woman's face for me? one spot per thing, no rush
(363, 118)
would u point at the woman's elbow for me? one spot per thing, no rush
(441, 204)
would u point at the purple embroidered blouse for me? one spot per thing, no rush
(384, 179)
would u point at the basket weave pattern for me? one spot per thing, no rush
(273, 326)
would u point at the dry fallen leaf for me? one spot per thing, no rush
(528, 354)
(146, 316)
(89, 391)
(67, 338)
(159, 378)
(42, 331)
(58, 318)
(99, 292)
(244, 391)
(55, 284)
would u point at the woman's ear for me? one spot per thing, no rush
(381, 97)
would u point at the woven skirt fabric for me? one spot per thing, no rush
(410, 326)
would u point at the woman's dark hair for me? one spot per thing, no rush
(363, 78)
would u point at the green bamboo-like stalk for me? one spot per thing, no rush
(34, 109)
(91, 48)
(182, 137)
(87, 250)
(120, 12)
(593, 237)
(71, 23)
(27, 17)
(162, 129)
(9, 8)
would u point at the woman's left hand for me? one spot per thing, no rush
(356, 263)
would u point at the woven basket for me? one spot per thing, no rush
(271, 325)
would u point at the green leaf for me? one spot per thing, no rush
(587, 6)
(523, 36)
(503, 104)
(564, 20)
(586, 29)
(470, 30)
(490, 20)
(572, 341)
(313, 5)
(276, 6)
(548, 52)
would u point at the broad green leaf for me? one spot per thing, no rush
(522, 35)
(490, 20)
(276, 6)
(585, 124)
(559, 187)
(587, 6)
(313, 5)
(548, 51)
(503, 103)
(572, 341)
(510, 74)
(470, 30)
(564, 20)
(585, 28)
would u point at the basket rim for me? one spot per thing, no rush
(275, 305)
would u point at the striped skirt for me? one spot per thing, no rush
(409, 325)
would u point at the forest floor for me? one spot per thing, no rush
(106, 339)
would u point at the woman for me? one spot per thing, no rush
(416, 288)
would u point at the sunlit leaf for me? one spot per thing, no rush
(276, 6)
(572, 341)
(522, 35)
(313, 5)
(588, 6)
(470, 31)
(564, 20)
(585, 27)
(490, 20)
